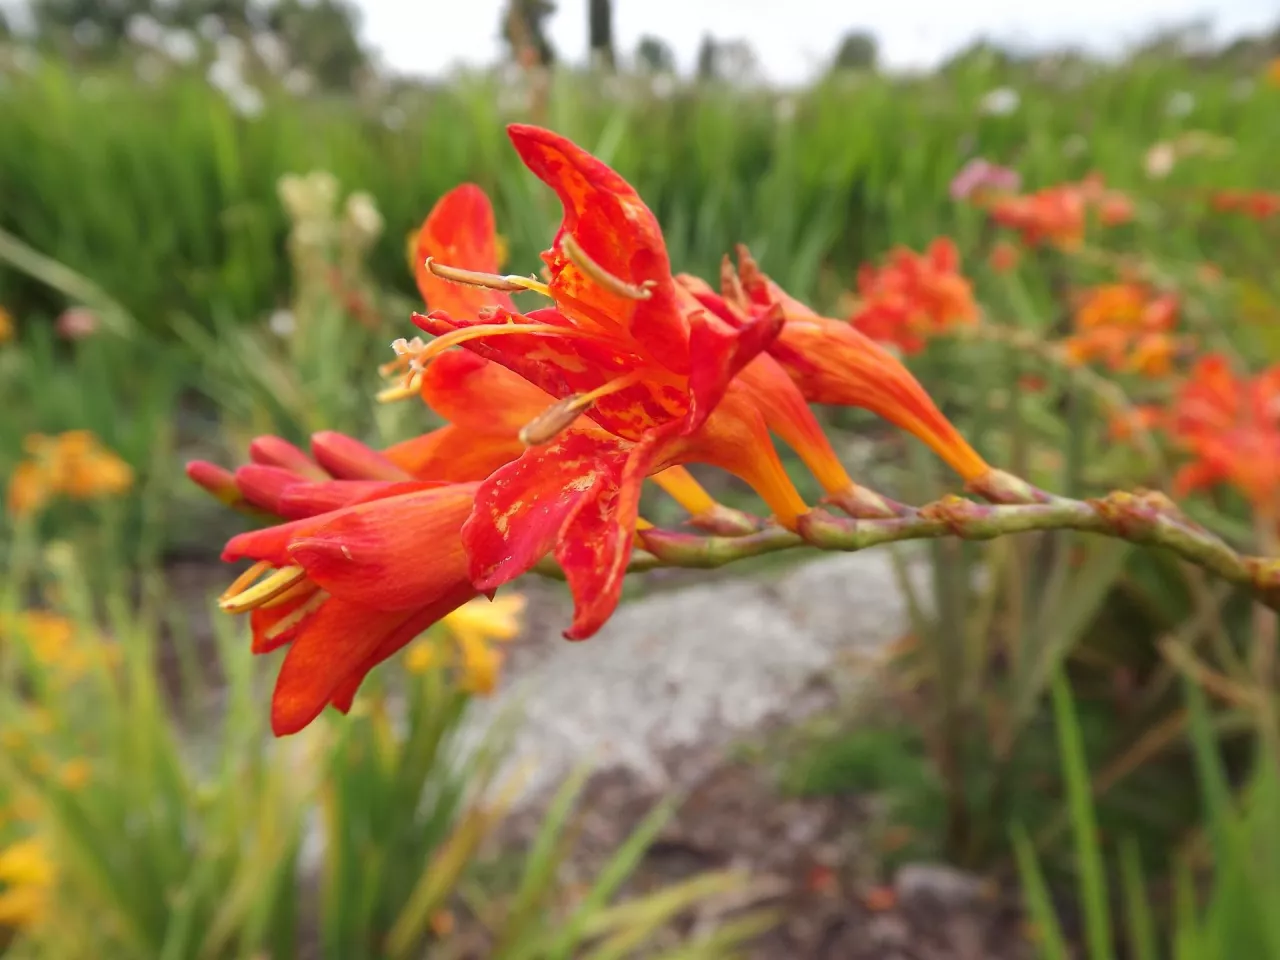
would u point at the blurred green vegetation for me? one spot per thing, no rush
(223, 311)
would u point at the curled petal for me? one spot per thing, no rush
(521, 509)
(718, 352)
(619, 234)
(459, 232)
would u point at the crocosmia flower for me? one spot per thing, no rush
(1128, 327)
(554, 420)
(1230, 427)
(914, 295)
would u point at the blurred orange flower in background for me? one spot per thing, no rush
(1058, 215)
(1259, 204)
(1128, 327)
(1004, 257)
(1272, 72)
(1230, 425)
(914, 295)
(8, 329)
(72, 464)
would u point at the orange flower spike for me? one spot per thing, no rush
(350, 588)
(832, 363)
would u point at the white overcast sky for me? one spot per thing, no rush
(792, 38)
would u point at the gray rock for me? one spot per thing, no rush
(940, 884)
(700, 667)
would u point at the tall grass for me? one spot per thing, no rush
(164, 196)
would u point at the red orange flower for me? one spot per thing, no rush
(1058, 215)
(832, 363)
(1004, 257)
(1127, 326)
(914, 295)
(1230, 425)
(1258, 204)
(628, 376)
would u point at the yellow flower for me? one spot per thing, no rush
(75, 773)
(8, 329)
(74, 464)
(475, 626)
(1273, 72)
(497, 619)
(28, 872)
(26, 862)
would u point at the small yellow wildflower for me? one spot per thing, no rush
(72, 464)
(75, 773)
(28, 873)
(29, 489)
(1272, 72)
(8, 329)
(475, 626)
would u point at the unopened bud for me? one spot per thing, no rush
(348, 459)
(276, 452)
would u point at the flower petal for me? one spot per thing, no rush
(393, 642)
(337, 641)
(396, 553)
(469, 391)
(611, 224)
(459, 232)
(598, 535)
(561, 367)
(521, 508)
(455, 454)
(832, 363)
(718, 351)
(271, 543)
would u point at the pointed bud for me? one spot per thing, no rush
(263, 486)
(216, 480)
(348, 459)
(276, 452)
(311, 499)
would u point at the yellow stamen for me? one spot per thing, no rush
(406, 388)
(560, 416)
(261, 592)
(509, 283)
(242, 582)
(578, 257)
(453, 338)
(300, 589)
(296, 617)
